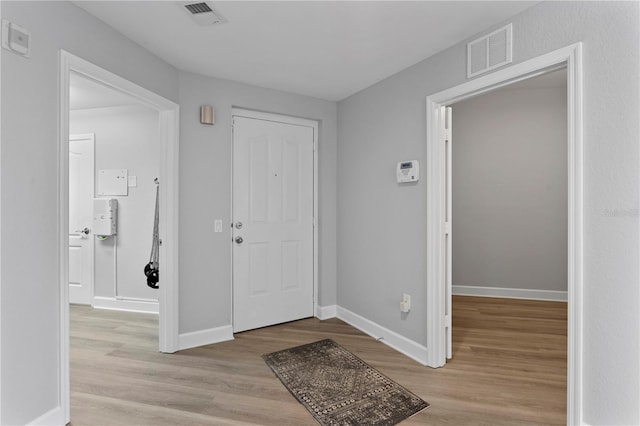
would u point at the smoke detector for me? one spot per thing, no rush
(203, 12)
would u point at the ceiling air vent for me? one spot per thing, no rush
(198, 8)
(490, 51)
(203, 13)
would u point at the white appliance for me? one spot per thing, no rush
(105, 213)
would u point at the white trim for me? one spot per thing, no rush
(169, 232)
(1, 149)
(436, 344)
(571, 56)
(280, 118)
(205, 337)
(52, 417)
(576, 238)
(269, 116)
(64, 398)
(124, 304)
(510, 293)
(405, 346)
(169, 137)
(326, 312)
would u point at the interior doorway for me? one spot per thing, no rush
(508, 191)
(507, 237)
(438, 299)
(168, 117)
(114, 163)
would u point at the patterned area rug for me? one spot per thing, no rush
(338, 388)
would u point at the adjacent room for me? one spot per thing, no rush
(509, 235)
(117, 173)
(261, 212)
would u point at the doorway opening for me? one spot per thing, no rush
(72, 67)
(508, 238)
(438, 221)
(113, 163)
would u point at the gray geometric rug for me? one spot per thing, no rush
(338, 388)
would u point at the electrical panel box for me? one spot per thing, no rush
(105, 213)
(113, 182)
(408, 171)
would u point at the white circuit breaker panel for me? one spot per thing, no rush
(113, 182)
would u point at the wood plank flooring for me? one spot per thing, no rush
(508, 368)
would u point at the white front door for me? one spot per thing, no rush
(273, 224)
(81, 175)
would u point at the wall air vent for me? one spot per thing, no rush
(490, 51)
(203, 13)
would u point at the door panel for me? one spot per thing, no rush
(81, 192)
(273, 200)
(75, 264)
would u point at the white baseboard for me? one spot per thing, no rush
(205, 337)
(53, 417)
(150, 307)
(326, 312)
(510, 293)
(390, 338)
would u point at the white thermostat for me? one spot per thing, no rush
(408, 171)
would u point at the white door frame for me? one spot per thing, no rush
(168, 113)
(571, 56)
(89, 137)
(240, 112)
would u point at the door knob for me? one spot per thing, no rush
(84, 231)
(239, 240)
(238, 225)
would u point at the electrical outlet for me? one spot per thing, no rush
(405, 303)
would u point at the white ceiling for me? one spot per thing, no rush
(325, 49)
(85, 94)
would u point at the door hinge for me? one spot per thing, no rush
(447, 228)
(447, 321)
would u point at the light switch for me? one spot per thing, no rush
(133, 181)
(217, 225)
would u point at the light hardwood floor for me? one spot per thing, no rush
(508, 367)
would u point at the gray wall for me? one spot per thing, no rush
(510, 189)
(205, 182)
(125, 138)
(29, 306)
(29, 310)
(381, 225)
